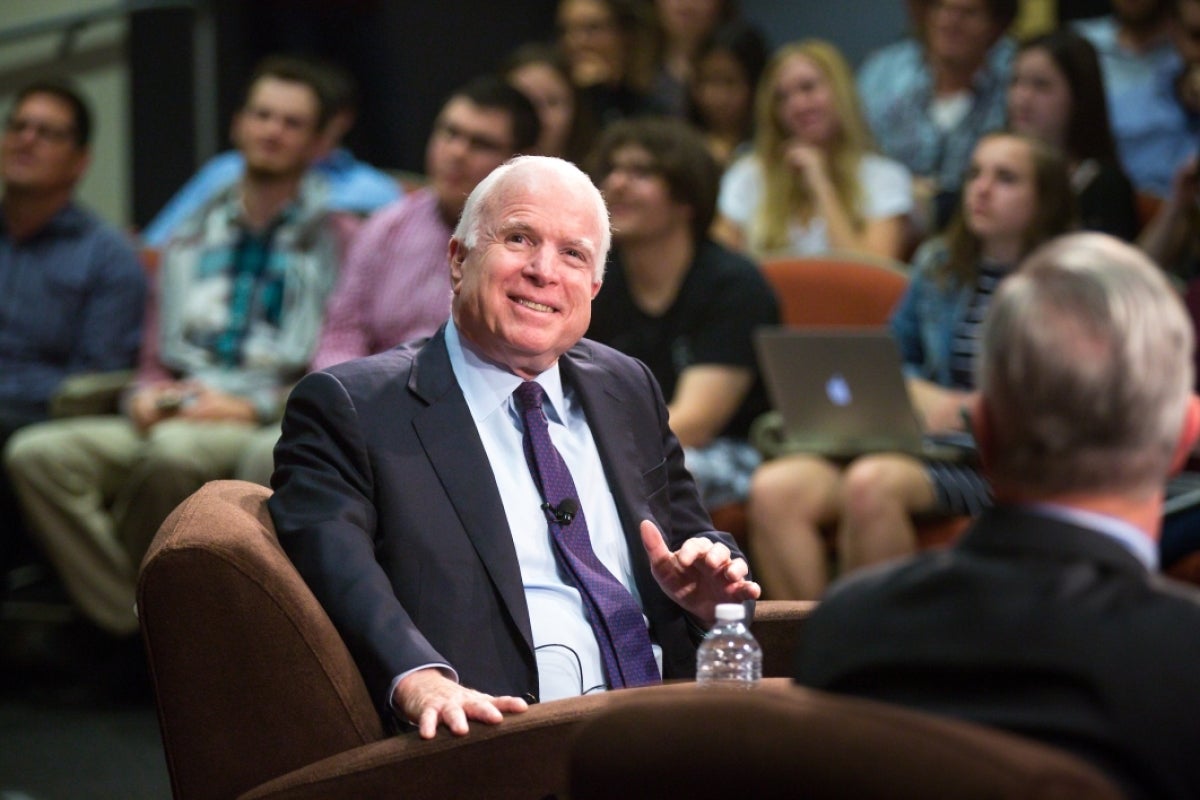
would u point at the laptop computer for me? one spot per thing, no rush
(841, 393)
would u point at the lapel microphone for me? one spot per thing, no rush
(564, 512)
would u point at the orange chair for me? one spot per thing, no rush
(835, 290)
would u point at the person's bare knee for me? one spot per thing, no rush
(798, 488)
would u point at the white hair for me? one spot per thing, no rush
(1086, 369)
(476, 216)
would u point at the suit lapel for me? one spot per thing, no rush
(608, 417)
(448, 435)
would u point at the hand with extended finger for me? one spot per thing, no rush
(699, 575)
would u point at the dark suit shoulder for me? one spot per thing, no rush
(373, 368)
(600, 359)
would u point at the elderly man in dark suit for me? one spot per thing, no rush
(503, 506)
(1048, 617)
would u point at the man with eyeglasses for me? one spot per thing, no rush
(71, 289)
(241, 293)
(395, 284)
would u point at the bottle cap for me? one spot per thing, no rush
(730, 612)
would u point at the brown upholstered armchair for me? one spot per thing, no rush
(259, 698)
(788, 741)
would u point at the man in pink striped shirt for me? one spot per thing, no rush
(395, 283)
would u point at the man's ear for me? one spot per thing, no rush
(83, 160)
(1187, 434)
(458, 254)
(235, 128)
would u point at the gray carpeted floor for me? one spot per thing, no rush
(77, 718)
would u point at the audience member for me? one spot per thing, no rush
(813, 183)
(1187, 44)
(679, 302)
(71, 289)
(240, 296)
(683, 26)
(541, 73)
(1057, 95)
(1048, 618)
(720, 100)
(905, 54)
(438, 521)
(610, 47)
(1017, 195)
(395, 284)
(1140, 63)
(934, 102)
(1170, 237)
(354, 186)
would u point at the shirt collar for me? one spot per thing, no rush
(68, 220)
(1132, 538)
(488, 387)
(235, 210)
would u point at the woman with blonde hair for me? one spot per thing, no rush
(813, 183)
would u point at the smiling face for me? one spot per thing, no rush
(1039, 97)
(1000, 198)
(805, 103)
(523, 293)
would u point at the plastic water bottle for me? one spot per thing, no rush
(729, 656)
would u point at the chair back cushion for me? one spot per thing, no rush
(834, 290)
(788, 741)
(252, 679)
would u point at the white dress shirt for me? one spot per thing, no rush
(568, 657)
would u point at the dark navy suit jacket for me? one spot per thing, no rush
(1034, 625)
(385, 501)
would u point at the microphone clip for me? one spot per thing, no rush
(563, 513)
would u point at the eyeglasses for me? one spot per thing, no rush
(44, 131)
(450, 132)
(639, 171)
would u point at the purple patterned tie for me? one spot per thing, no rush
(611, 610)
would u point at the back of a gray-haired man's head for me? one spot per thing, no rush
(521, 172)
(1086, 370)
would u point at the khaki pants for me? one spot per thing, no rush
(257, 460)
(95, 491)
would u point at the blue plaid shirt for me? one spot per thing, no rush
(239, 310)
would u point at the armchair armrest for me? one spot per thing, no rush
(90, 393)
(777, 625)
(527, 755)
